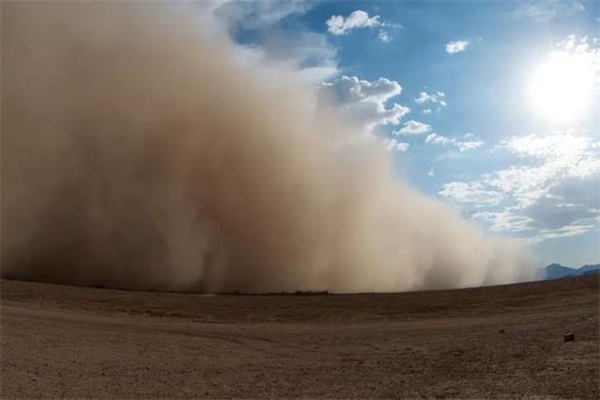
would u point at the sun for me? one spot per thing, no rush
(561, 89)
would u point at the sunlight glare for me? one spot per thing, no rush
(561, 88)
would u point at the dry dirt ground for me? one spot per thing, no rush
(494, 342)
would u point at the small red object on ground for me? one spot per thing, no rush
(569, 337)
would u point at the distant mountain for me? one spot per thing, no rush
(592, 271)
(556, 271)
(589, 268)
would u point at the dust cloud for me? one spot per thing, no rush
(137, 152)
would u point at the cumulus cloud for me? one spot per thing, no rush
(338, 25)
(364, 103)
(456, 46)
(435, 98)
(413, 127)
(545, 10)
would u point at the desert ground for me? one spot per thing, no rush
(492, 342)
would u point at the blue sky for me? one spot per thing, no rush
(489, 106)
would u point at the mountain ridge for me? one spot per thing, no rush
(557, 271)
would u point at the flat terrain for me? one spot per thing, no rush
(494, 342)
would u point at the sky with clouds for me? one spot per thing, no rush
(489, 106)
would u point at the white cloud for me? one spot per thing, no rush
(338, 25)
(395, 145)
(556, 158)
(504, 221)
(349, 89)
(577, 46)
(584, 52)
(570, 201)
(565, 231)
(434, 138)
(467, 145)
(471, 192)
(413, 127)
(438, 98)
(556, 147)
(456, 46)
(554, 191)
(384, 36)
(435, 98)
(546, 10)
(362, 102)
(550, 160)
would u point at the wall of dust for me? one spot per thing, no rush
(137, 153)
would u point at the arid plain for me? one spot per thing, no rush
(492, 342)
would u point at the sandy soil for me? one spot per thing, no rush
(495, 342)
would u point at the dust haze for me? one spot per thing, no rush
(138, 152)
